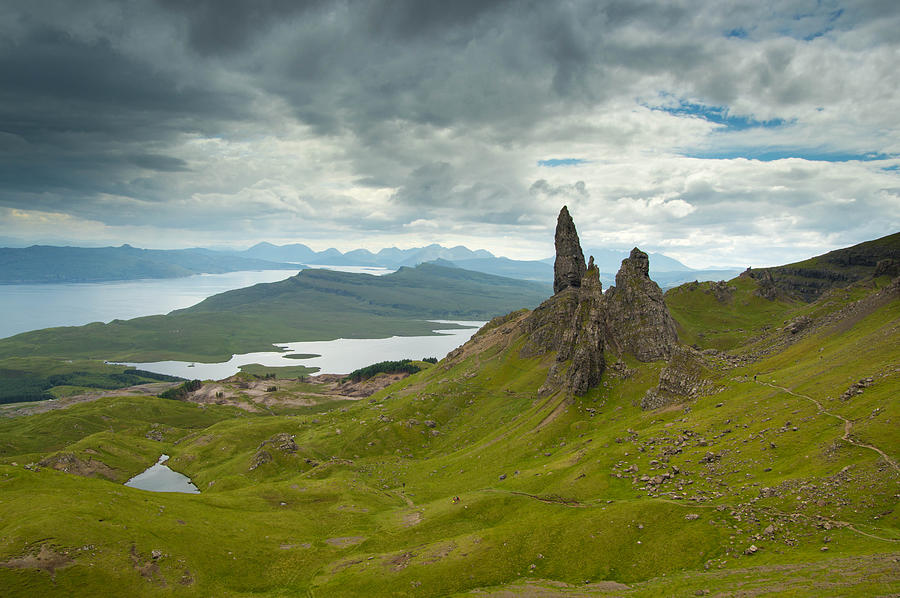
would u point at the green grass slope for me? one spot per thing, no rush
(462, 478)
(314, 305)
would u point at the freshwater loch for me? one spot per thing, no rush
(339, 356)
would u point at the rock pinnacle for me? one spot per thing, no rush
(569, 268)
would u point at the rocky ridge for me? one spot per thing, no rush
(581, 322)
(810, 279)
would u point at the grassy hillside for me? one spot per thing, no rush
(781, 479)
(314, 305)
(46, 264)
(809, 279)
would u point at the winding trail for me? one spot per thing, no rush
(848, 424)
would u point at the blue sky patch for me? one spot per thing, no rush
(554, 162)
(721, 116)
(772, 154)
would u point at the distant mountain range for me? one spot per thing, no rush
(391, 257)
(666, 271)
(47, 264)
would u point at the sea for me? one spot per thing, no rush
(33, 306)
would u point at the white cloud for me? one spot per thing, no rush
(430, 126)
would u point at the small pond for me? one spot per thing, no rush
(159, 478)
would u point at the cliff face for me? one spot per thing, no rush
(580, 322)
(569, 323)
(809, 279)
(636, 319)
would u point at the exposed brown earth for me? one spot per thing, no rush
(253, 396)
(33, 408)
(47, 559)
(257, 395)
(69, 463)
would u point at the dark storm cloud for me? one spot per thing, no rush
(77, 116)
(159, 163)
(266, 114)
(227, 26)
(421, 19)
(55, 82)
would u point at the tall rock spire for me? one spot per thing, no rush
(569, 268)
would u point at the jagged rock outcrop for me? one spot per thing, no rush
(282, 442)
(685, 376)
(636, 319)
(569, 323)
(70, 463)
(798, 324)
(887, 267)
(580, 322)
(569, 268)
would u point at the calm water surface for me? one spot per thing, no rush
(159, 478)
(340, 356)
(31, 306)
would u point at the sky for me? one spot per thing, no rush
(718, 132)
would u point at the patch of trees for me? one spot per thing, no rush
(383, 367)
(179, 393)
(17, 389)
(20, 386)
(154, 375)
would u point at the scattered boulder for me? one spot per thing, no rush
(722, 291)
(154, 433)
(282, 442)
(856, 389)
(887, 267)
(260, 458)
(798, 324)
(710, 457)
